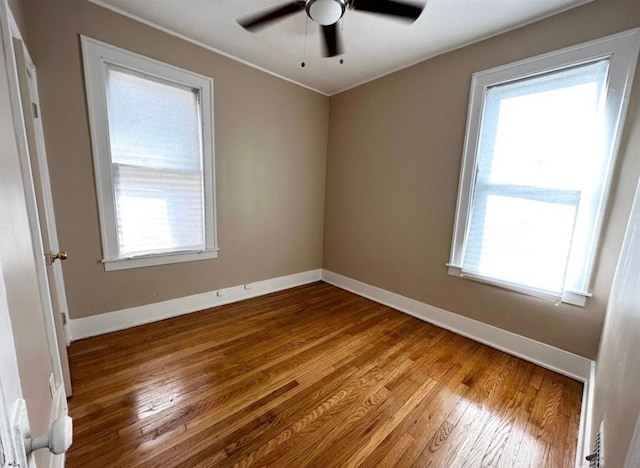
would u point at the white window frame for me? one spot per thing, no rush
(97, 55)
(622, 51)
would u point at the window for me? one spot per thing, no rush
(540, 148)
(152, 135)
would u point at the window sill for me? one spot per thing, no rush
(577, 298)
(158, 259)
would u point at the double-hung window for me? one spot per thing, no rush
(152, 134)
(540, 148)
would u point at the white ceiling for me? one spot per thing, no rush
(374, 44)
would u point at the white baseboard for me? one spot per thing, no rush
(586, 419)
(544, 355)
(133, 316)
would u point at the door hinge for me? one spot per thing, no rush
(35, 110)
(64, 318)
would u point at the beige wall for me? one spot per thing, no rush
(270, 140)
(395, 148)
(19, 271)
(617, 383)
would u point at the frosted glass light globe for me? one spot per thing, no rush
(325, 12)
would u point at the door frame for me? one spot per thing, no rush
(11, 31)
(45, 182)
(44, 199)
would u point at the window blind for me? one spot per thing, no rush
(539, 179)
(156, 156)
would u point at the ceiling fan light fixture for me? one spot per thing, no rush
(325, 12)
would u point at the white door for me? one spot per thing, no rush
(12, 408)
(46, 216)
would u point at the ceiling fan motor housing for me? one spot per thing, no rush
(325, 12)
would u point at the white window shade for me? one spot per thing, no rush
(158, 211)
(157, 164)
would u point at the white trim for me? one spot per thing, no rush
(97, 56)
(633, 454)
(134, 316)
(578, 298)
(59, 405)
(47, 218)
(158, 259)
(14, 30)
(203, 45)
(59, 408)
(622, 52)
(47, 194)
(542, 354)
(21, 430)
(586, 419)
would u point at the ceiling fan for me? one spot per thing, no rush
(327, 13)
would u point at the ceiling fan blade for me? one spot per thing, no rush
(389, 7)
(332, 40)
(257, 21)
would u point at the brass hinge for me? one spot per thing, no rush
(35, 110)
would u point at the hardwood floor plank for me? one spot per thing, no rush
(375, 359)
(508, 456)
(502, 420)
(312, 376)
(344, 417)
(393, 456)
(427, 418)
(468, 416)
(366, 360)
(311, 420)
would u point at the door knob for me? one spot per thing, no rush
(57, 440)
(52, 257)
(62, 255)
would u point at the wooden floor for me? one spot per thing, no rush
(313, 376)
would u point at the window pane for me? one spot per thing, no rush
(544, 131)
(539, 165)
(522, 241)
(152, 123)
(158, 210)
(154, 131)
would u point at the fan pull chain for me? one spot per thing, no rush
(304, 50)
(342, 32)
